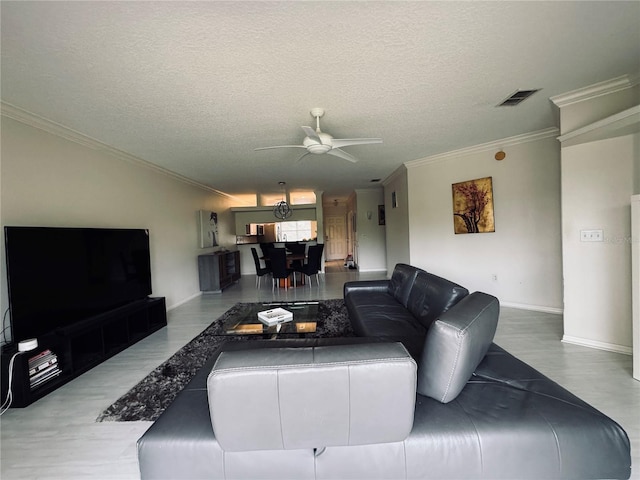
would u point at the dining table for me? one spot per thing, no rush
(291, 257)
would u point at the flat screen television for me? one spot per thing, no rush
(59, 276)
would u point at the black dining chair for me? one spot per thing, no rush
(260, 271)
(298, 249)
(265, 247)
(320, 274)
(313, 263)
(279, 268)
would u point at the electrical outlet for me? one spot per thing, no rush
(591, 236)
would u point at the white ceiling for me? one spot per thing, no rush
(195, 87)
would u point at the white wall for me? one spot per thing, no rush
(370, 236)
(635, 274)
(397, 219)
(598, 181)
(600, 173)
(524, 253)
(48, 180)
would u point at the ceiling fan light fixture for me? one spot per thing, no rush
(318, 149)
(318, 142)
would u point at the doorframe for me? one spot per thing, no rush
(346, 238)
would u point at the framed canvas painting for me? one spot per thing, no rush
(208, 228)
(473, 206)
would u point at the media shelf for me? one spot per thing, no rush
(83, 345)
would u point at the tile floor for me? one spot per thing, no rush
(58, 438)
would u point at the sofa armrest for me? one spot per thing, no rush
(368, 286)
(312, 397)
(456, 344)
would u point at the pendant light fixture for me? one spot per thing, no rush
(282, 210)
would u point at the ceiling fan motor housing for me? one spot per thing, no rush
(313, 146)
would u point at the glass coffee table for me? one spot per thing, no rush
(305, 316)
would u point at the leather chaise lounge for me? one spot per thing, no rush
(436, 399)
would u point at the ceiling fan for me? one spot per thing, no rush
(318, 142)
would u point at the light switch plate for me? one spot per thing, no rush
(591, 236)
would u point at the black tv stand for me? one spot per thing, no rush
(83, 345)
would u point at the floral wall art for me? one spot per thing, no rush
(473, 206)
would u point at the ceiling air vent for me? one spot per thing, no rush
(518, 97)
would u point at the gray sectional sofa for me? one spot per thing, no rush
(401, 308)
(433, 399)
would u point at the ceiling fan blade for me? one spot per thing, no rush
(311, 133)
(279, 146)
(303, 155)
(336, 152)
(345, 142)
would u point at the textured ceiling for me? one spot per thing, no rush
(195, 86)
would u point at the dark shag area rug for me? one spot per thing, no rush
(153, 394)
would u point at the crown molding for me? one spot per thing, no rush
(505, 142)
(31, 119)
(596, 90)
(401, 170)
(622, 123)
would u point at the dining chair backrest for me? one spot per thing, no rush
(296, 247)
(265, 247)
(260, 271)
(278, 260)
(320, 250)
(313, 259)
(256, 260)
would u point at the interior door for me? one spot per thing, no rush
(335, 241)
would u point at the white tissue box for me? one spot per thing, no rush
(275, 316)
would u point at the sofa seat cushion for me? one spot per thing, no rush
(379, 314)
(511, 421)
(456, 344)
(312, 397)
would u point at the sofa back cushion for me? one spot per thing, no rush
(431, 296)
(312, 397)
(455, 344)
(401, 282)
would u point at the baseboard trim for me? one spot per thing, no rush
(183, 301)
(371, 270)
(609, 347)
(533, 308)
